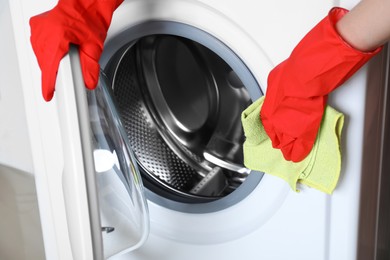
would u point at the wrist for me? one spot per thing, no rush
(357, 31)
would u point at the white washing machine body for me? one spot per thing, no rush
(268, 222)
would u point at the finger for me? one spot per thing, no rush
(49, 48)
(299, 150)
(89, 58)
(49, 72)
(48, 83)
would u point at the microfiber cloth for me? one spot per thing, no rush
(319, 170)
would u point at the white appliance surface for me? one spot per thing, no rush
(272, 222)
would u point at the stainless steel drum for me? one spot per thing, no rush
(181, 104)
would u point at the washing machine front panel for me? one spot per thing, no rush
(261, 206)
(261, 35)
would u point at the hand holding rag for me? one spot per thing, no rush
(298, 87)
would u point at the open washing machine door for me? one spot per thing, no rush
(180, 92)
(180, 103)
(183, 127)
(117, 206)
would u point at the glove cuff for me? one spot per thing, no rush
(323, 60)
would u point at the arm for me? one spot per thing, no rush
(366, 26)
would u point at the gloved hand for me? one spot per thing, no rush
(298, 87)
(81, 22)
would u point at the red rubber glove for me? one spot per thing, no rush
(81, 22)
(298, 87)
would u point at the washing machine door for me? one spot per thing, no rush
(117, 205)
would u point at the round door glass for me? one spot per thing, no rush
(123, 211)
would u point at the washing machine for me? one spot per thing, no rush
(149, 165)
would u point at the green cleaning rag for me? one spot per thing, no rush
(320, 169)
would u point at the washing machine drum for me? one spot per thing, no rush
(180, 104)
